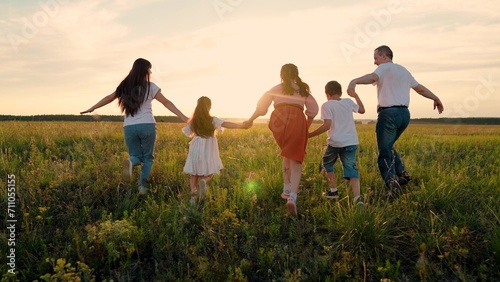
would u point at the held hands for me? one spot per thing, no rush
(243, 125)
(247, 124)
(351, 89)
(352, 93)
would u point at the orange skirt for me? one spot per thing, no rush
(289, 127)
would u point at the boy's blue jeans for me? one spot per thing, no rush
(140, 140)
(347, 158)
(391, 123)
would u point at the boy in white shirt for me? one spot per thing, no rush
(337, 115)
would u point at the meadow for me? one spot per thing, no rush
(78, 221)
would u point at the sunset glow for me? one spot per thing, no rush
(60, 57)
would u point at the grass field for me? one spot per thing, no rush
(77, 221)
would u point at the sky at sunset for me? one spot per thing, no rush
(61, 57)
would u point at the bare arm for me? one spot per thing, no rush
(104, 101)
(228, 124)
(312, 109)
(422, 90)
(254, 116)
(365, 79)
(170, 106)
(361, 109)
(309, 121)
(261, 109)
(249, 122)
(323, 128)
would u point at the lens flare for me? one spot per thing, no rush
(251, 185)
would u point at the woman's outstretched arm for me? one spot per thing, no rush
(104, 101)
(170, 106)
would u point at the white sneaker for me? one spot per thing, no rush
(192, 201)
(285, 195)
(126, 170)
(359, 201)
(286, 191)
(202, 188)
(143, 190)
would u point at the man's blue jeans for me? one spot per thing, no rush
(140, 140)
(391, 123)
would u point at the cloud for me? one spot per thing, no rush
(88, 46)
(90, 24)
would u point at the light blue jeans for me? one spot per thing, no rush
(140, 140)
(391, 123)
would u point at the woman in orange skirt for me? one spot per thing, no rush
(289, 126)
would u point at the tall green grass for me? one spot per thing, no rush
(78, 220)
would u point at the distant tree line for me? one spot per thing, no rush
(80, 118)
(453, 121)
(456, 121)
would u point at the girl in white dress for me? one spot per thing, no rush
(203, 158)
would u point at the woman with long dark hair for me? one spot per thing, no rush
(289, 126)
(135, 94)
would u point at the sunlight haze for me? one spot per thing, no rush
(61, 57)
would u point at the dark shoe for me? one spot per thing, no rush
(404, 178)
(331, 195)
(394, 190)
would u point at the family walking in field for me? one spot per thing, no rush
(290, 121)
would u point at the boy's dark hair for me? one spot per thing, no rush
(333, 87)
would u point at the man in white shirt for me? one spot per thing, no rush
(393, 92)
